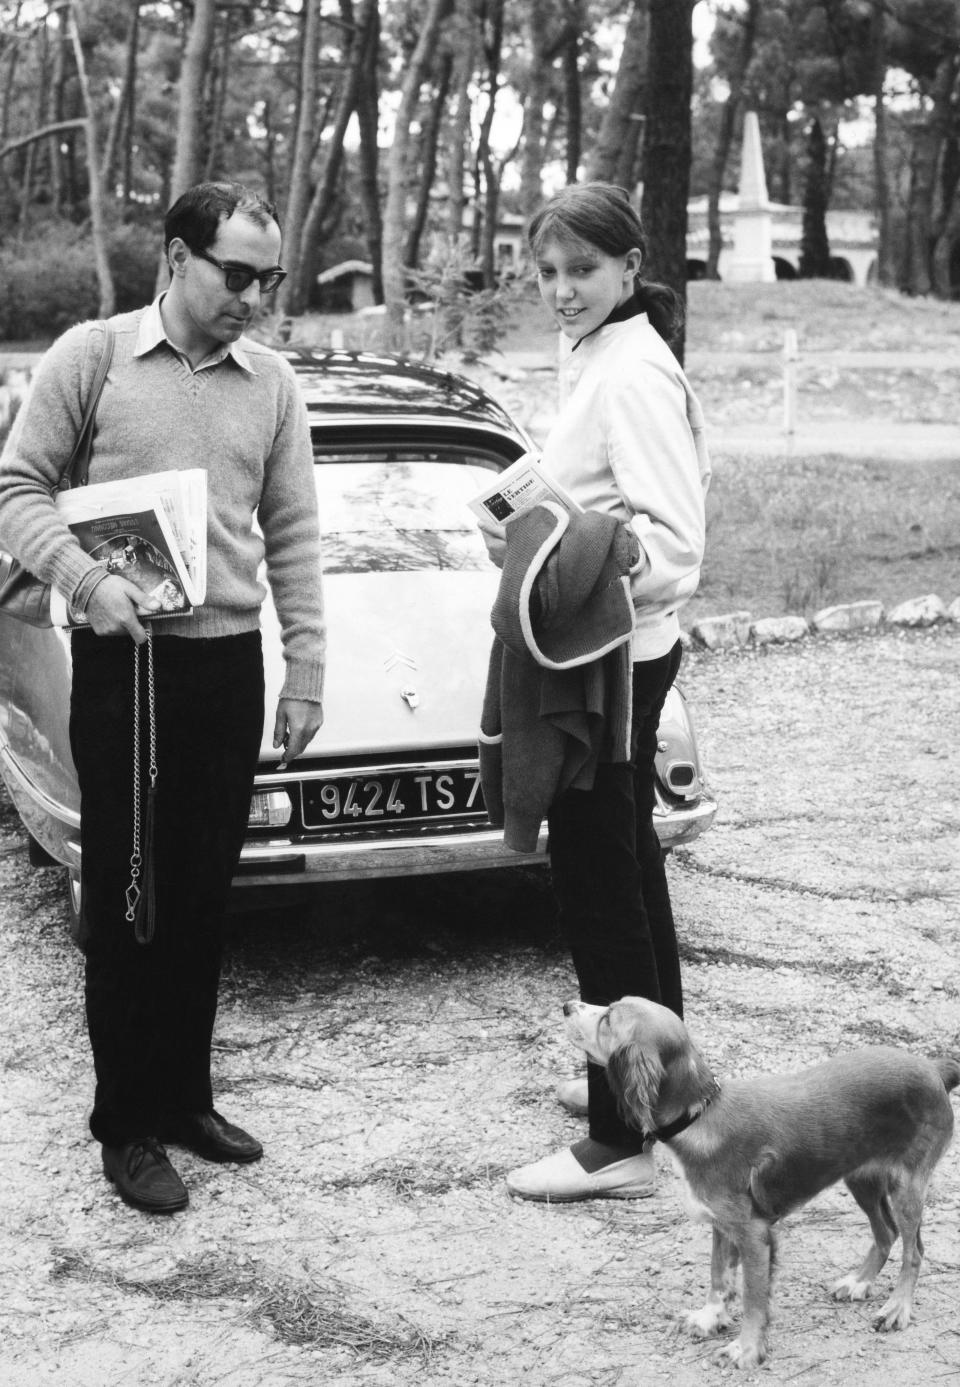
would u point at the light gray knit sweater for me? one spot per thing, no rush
(248, 430)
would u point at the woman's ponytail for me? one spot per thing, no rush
(663, 306)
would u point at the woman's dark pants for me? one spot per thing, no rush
(611, 885)
(151, 1007)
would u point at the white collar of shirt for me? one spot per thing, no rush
(152, 332)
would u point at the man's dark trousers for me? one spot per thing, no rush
(151, 1007)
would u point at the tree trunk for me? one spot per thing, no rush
(290, 294)
(6, 87)
(814, 243)
(667, 153)
(325, 192)
(613, 158)
(52, 101)
(131, 106)
(728, 119)
(220, 81)
(394, 216)
(46, 117)
(928, 139)
(534, 100)
(574, 104)
(465, 45)
(944, 249)
(97, 225)
(780, 176)
(484, 226)
(187, 160)
(946, 227)
(123, 111)
(269, 151)
(886, 270)
(368, 104)
(429, 141)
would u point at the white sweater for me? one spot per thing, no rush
(629, 441)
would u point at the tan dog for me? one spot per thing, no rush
(755, 1149)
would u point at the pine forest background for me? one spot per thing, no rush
(399, 133)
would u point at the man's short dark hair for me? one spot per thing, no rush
(196, 215)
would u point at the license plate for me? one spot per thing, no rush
(414, 796)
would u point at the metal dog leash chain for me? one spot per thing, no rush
(136, 859)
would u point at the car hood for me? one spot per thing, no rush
(407, 656)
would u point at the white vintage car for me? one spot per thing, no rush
(390, 785)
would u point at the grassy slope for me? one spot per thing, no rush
(827, 316)
(797, 534)
(792, 535)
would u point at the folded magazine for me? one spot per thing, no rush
(517, 488)
(151, 530)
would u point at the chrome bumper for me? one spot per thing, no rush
(274, 863)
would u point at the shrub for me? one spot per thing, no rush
(134, 253)
(52, 282)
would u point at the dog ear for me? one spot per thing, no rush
(689, 1082)
(635, 1076)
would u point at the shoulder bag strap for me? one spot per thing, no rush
(75, 473)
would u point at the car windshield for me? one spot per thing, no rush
(400, 510)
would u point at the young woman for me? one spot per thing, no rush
(628, 442)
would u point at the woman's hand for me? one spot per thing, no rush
(494, 539)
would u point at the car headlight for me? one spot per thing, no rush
(269, 809)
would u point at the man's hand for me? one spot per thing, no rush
(297, 721)
(493, 538)
(112, 609)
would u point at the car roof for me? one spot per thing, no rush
(377, 387)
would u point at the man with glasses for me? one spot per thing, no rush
(186, 389)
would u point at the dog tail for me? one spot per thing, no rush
(948, 1068)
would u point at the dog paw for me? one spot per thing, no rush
(705, 1323)
(740, 1354)
(850, 1288)
(894, 1315)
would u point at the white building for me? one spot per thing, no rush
(761, 240)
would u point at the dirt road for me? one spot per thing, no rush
(396, 1049)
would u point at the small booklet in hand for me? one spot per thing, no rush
(522, 485)
(151, 530)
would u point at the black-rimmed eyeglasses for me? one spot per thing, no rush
(238, 278)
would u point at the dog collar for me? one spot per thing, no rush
(680, 1124)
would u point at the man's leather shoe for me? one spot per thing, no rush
(144, 1177)
(212, 1137)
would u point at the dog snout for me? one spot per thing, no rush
(571, 1007)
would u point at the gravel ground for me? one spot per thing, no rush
(396, 1048)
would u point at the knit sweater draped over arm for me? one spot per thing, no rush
(558, 691)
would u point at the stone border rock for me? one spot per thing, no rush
(739, 628)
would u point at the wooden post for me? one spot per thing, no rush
(791, 356)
